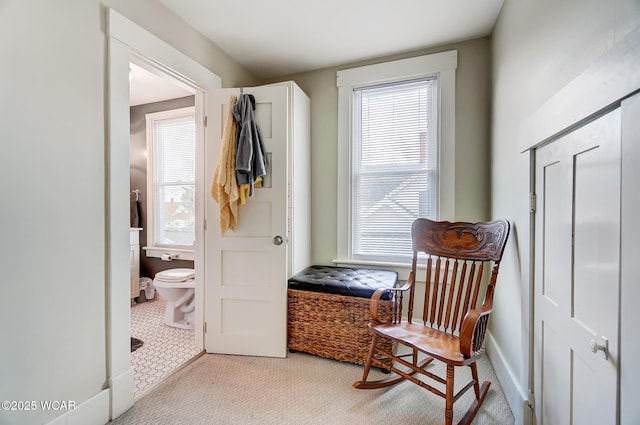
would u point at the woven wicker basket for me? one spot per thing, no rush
(331, 325)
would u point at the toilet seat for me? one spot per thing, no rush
(175, 275)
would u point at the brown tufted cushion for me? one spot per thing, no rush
(343, 280)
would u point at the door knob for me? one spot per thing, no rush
(595, 347)
(278, 240)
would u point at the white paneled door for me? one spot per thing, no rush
(245, 287)
(577, 275)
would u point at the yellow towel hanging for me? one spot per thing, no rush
(224, 188)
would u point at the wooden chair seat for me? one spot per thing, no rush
(452, 325)
(440, 345)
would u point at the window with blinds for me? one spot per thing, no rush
(173, 185)
(394, 165)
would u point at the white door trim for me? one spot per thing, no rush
(629, 254)
(600, 87)
(124, 38)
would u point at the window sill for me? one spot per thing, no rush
(168, 254)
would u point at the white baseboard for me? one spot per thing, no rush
(109, 403)
(513, 392)
(94, 411)
(122, 392)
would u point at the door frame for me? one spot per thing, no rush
(124, 39)
(610, 82)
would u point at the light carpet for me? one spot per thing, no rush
(300, 390)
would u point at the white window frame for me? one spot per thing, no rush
(153, 248)
(443, 67)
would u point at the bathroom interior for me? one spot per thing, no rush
(162, 284)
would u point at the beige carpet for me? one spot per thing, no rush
(299, 390)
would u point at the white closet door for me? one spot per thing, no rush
(577, 269)
(246, 281)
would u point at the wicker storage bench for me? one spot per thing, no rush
(328, 311)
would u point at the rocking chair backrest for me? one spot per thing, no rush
(457, 256)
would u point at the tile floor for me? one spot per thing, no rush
(165, 348)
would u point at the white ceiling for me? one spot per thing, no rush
(273, 38)
(145, 87)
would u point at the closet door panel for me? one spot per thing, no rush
(577, 274)
(246, 282)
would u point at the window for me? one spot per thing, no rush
(395, 154)
(394, 163)
(171, 145)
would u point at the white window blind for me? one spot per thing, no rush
(174, 181)
(394, 165)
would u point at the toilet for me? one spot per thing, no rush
(177, 287)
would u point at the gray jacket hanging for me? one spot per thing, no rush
(251, 159)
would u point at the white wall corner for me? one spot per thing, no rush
(513, 392)
(94, 411)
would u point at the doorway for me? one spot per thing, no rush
(124, 39)
(152, 92)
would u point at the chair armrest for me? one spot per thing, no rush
(473, 329)
(377, 295)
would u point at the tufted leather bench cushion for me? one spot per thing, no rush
(343, 281)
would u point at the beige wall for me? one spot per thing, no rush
(538, 47)
(472, 140)
(52, 169)
(161, 22)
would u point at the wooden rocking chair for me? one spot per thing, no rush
(452, 327)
